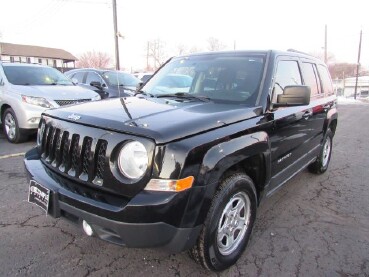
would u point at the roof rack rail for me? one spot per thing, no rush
(297, 51)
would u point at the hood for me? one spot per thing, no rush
(56, 92)
(158, 119)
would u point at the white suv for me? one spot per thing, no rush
(26, 90)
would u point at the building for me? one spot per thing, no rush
(53, 57)
(346, 87)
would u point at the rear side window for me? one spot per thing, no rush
(288, 74)
(326, 80)
(310, 78)
(79, 76)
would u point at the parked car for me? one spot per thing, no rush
(108, 83)
(26, 90)
(187, 170)
(143, 76)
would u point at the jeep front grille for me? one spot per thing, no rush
(74, 154)
(71, 102)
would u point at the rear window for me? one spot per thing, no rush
(326, 80)
(310, 77)
(114, 78)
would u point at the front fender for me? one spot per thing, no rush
(229, 153)
(218, 160)
(332, 115)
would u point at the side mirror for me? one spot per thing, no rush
(294, 96)
(96, 85)
(1, 82)
(139, 86)
(75, 81)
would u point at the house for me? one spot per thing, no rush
(349, 86)
(53, 57)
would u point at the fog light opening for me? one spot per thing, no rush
(87, 228)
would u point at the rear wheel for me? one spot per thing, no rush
(228, 225)
(321, 164)
(11, 128)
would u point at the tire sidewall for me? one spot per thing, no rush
(329, 135)
(214, 258)
(17, 131)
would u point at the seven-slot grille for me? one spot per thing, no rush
(73, 154)
(70, 102)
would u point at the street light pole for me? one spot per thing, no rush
(117, 66)
(358, 64)
(325, 45)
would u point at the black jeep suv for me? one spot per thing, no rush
(184, 166)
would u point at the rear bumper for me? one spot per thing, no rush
(126, 224)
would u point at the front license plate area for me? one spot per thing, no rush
(39, 195)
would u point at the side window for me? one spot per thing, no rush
(326, 80)
(288, 74)
(92, 77)
(79, 76)
(310, 78)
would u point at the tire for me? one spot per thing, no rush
(231, 215)
(11, 128)
(322, 162)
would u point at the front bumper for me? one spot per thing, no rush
(134, 223)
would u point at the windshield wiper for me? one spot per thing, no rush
(144, 93)
(185, 95)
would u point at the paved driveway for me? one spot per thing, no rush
(313, 226)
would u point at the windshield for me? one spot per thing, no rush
(232, 78)
(115, 78)
(35, 76)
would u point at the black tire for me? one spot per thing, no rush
(237, 189)
(322, 162)
(11, 128)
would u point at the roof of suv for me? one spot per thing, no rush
(289, 52)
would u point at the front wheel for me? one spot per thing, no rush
(11, 128)
(321, 164)
(228, 225)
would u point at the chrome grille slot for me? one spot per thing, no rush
(75, 153)
(71, 102)
(57, 160)
(86, 158)
(100, 161)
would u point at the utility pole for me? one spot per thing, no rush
(325, 45)
(117, 66)
(358, 64)
(147, 56)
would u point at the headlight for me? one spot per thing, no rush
(133, 160)
(38, 101)
(95, 98)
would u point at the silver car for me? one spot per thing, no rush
(26, 90)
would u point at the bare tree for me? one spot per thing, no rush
(195, 49)
(215, 44)
(320, 55)
(182, 49)
(342, 70)
(156, 51)
(93, 59)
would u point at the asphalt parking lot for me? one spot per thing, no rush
(313, 226)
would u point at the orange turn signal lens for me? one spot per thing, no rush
(170, 185)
